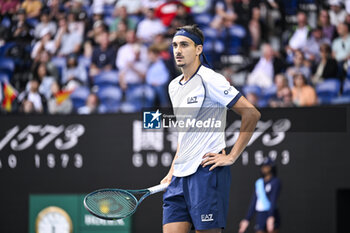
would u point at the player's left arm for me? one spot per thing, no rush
(250, 117)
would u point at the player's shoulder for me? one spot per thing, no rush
(209, 75)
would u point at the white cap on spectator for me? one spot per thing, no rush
(97, 9)
(44, 32)
(334, 2)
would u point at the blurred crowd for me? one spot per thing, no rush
(107, 56)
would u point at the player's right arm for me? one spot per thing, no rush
(167, 178)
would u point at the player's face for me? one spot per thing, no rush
(185, 51)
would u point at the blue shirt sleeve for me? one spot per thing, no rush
(251, 209)
(275, 190)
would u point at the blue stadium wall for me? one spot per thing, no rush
(77, 154)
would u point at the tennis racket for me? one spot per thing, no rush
(113, 204)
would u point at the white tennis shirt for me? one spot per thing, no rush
(201, 102)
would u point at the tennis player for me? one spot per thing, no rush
(199, 177)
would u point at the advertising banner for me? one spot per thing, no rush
(72, 155)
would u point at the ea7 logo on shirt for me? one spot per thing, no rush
(207, 217)
(192, 100)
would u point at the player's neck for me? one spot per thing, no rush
(189, 71)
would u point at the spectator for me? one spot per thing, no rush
(32, 7)
(256, 29)
(327, 68)
(158, 75)
(264, 201)
(75, 24)
(34, 96)
(182, 18)
(147, 4)
(283, 97)
(299, 34)
(103, 56)
(264, 69)
(21, 30)
(122, 15)
(275, 15)
(98, 28)
(244, 10)
(78, 8)
(132, 62)
(341, 45)
(56, 106)
(312, 48)
(27, 107)
(55, 8)
(329, 30)
(341, 48)
(73, 72)
(8, 7)
(91, 106)
(149, 27)
(44, 44)
(337, 13)
(45, 57)
(224, 11)
(95, 24)
(45, 24)
(298, 67)
(67, 41)
(303, 94)
(168, 10)
(132, 7)
(45, 80)
(119, 36)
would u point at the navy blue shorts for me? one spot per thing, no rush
(261, 218)
(201, 198)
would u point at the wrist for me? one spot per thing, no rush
(232, 158)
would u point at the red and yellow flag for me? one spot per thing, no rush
(62, 96)
(10, 95)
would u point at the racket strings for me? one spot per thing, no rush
(111, 204)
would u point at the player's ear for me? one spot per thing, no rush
(199, 50)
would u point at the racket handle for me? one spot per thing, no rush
(158, 188)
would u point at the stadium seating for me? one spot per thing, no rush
(5, 48)
(110, 99)
(328, 90)
(7, 66)
(84, 62)
(345, 98)
(107, 78)
(4, 77)
(138, 97)
(268, 93)
(79, 97)
(60, 63)
(202, 20)
(346, 88)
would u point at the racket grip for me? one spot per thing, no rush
(158, 188)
